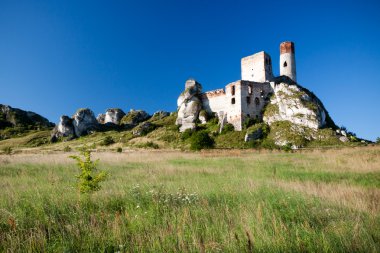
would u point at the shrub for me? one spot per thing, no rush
(269, 144)
(87, 181)
(7, 150)
(148, 144)
(187, 134)
(107, 141)
(67, 149)
(119, 150)
(228, 128)
(378, 140)
(201, 140)
(287, 147)
(248, 122)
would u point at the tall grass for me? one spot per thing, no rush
(229, 201)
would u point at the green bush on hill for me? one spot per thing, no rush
(228, 128)
(201, 140)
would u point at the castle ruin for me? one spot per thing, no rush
(247, 97)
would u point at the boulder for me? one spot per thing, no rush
(84, 122)
(64, 129)
(134, 117)
(114, 116)
(344, 139)
(189, 105)
(143, 129)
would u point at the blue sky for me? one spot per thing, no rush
(58, 56)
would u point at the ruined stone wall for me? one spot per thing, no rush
(257, 67)
(254, 98)
(233, 104)
(214, 101)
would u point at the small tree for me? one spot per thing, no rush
(201, 140)
(378, 140)
(88, 180)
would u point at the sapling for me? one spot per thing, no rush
(88, 180)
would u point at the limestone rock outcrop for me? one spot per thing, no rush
(64, 129)
(84, 122)
(291, 102)
(160, 114)
(133, 117)
(143, 128)
(101, 118)
(113, 116)
(189, 105)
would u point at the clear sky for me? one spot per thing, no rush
(58, 56)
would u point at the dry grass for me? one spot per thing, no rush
(248, 201)
(356, 198)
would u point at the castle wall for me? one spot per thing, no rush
(214, 101)
(254, 98)
(257, 67)
(233, 104)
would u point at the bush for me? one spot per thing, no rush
(287, 147)
(201, 140)
(119, 150)
(269, 144)
(378, 140)
(148, 144)
(87, 182)
(66, 149)
(7, 150)
(187, 134)
(228, 128)
(248, 122)
(107, 141)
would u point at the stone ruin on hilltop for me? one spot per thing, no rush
(259, 96)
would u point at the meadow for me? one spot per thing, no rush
(211, 201)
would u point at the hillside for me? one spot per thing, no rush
(164, 134)
(15, 122)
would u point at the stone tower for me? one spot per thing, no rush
(257, 68)
(288, 60)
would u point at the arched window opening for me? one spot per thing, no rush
(285, 64)
(233, 101)
(257, 101)
(249, 89)
(248, 100)
(233, 90)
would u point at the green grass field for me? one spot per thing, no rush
(214, 201)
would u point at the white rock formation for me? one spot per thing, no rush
(84, 122)
(113, 116)
(291, 102)
(65, 126)
(189, 105)
(64, 129)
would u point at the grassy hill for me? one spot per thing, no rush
(165, 135)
